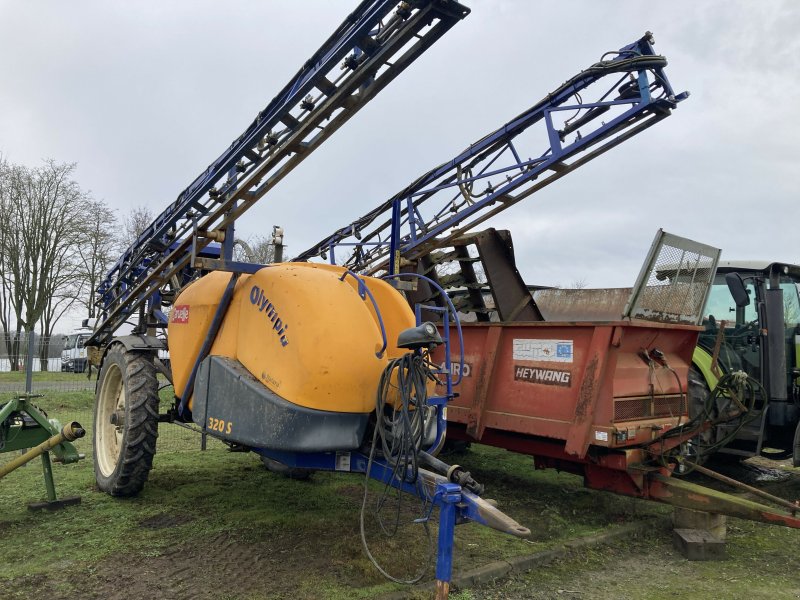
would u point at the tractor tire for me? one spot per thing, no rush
(698, 393)
(125, 421)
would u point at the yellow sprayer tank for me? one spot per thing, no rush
(295, 364)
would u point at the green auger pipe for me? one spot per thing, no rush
(69, 433)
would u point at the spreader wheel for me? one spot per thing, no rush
(125, 421)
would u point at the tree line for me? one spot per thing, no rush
(57, 242)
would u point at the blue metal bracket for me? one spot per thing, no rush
(450, 310)
(449, 497)
(456, 505)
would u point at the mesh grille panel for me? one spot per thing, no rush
(633, 409)
(669, 406)
(674, 282)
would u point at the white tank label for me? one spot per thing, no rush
(543, 350)
(342, 461)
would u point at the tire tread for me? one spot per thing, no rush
(141, 417)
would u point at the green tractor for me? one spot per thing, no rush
(752, 325)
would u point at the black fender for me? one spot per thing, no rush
(135, 343)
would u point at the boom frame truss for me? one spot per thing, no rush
(366, 52)
(640, 96)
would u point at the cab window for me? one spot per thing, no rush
(721, 307)
(791, 302)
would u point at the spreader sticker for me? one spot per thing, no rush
(543, 350)
(180, 314)
(543, 376)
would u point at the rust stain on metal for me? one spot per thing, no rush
(475, 424)
(587, 393)
(681, 493)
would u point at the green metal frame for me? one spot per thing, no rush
(18, 434)
(702, 359)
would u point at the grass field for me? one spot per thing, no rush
(216, 524)
(19, 376)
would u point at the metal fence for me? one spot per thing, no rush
(15, 348)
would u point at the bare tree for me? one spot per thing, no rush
(257, 249)
(261, 249)
(133, 224)
(97, 253)
(578, 284)
(5, 305)
(43, 213)
(11, 268)
(6, 317)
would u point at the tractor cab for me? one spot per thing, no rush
(752, 324)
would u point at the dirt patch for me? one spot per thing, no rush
(222, 566)
(353, 494)
(751, 472)
(284, 565)
(31, 586)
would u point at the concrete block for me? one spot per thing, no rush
(698, 544)
(686, 518)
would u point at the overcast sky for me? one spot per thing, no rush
(144, 95)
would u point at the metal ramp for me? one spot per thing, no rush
(479, 273)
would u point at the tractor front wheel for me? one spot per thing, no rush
(125, 421)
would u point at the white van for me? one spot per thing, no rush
(73, 355)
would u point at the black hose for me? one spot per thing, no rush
(735, 390)
(399, 434)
